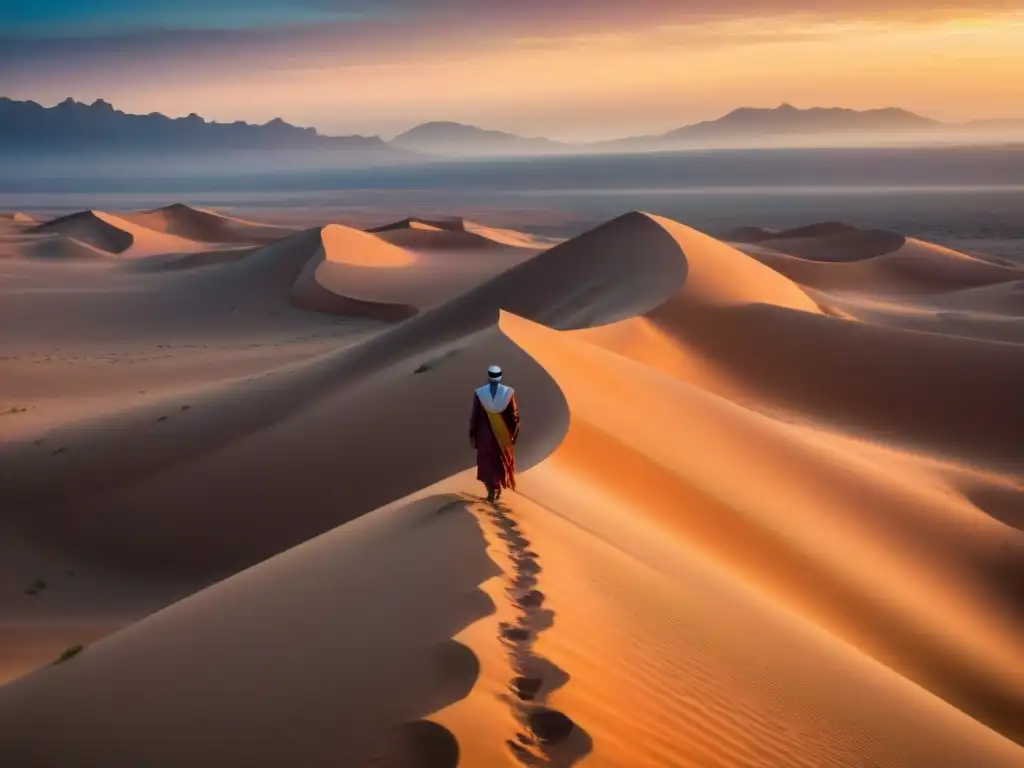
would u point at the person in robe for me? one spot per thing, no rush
(493, 431)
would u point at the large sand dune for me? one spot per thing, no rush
(845, 259)
(206, 226)
(752, 530)
(339, 277)
(828, 241)
(49, 246)
(357, 272)
(116, 235)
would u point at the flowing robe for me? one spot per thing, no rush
(493, 431)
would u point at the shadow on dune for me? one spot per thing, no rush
(781, 353)
(548, 737)
(200, 494)
(346, 640)
(430, 746)
(952, 393)
(833, 243)
(1002, 503)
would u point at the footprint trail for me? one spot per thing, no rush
(547, 737)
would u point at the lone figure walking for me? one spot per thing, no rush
(493, 431)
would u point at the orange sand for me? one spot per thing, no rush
(771, 508)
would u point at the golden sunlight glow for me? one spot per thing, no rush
(606, 84)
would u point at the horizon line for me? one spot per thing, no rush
(438, 121)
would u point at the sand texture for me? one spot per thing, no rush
(770, 508)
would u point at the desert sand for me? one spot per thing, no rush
(770, 506)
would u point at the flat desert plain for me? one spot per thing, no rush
(770, 506)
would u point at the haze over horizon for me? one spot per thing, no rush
(576, 72)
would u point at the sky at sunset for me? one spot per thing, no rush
(567, 69)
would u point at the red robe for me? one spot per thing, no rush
(495, 465)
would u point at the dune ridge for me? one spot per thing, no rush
(748, 532)
(50, 246)
(18, 217)
(203, 225)
(116, 235)
(320, 288)
(455, 234)
(838, 257)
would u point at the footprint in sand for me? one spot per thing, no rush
(526, 688)
(532, 599)
(550, 726)
(527, 565)
(522, 582)
(516, 634)
(545, 728)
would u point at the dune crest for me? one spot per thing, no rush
(18, 217)
(334, 278)
(455, 234)
(838, 257)
(202, 225)
(116, 235)
(343, 245)
(720, 275)
(53, 246)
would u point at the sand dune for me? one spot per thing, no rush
(856, 383)
(509, 237)
(357, 273)
(334, 278)
(589, 580)
(116, 235)
(342, 245)
(89, 227)
(824, 488)
(346, 707)
(447, 224)
(165, 262)
(588, 280)
(749, 234)
(1005, 299)
(748, 533)
(17, 217)
(296, 268)
(915, 267)
(916, 286)
(827, 241)
(206, 226)
(455, 234)
(992, 313)
(50, 246)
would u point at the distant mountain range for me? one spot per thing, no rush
(72, 126)
(457, 138)
(744, 127)
(788, 120)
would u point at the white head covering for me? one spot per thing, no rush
(494, 396)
